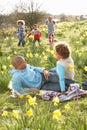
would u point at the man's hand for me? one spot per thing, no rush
(35, 90)
(46, 74)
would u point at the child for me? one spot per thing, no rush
(21, 32)
(26, 77)
(50, 23)
(36, 32)
(65, 66)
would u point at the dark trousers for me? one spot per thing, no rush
(52, 83)
(21, 40)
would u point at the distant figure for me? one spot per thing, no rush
(50, 23)
(36, 32)
(21, 32)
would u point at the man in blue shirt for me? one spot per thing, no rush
(26, 76)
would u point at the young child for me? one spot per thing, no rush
(21, 32)
(65, 66)
(27, 78)
(50, 23)
(36, 32)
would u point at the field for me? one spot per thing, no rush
(24, 114)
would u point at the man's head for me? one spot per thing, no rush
(19, 62)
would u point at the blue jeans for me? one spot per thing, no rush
(21, 40)
(52, 83)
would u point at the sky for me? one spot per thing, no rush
(55, 7)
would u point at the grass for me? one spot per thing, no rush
(42, 117)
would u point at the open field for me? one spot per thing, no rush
(18, 113)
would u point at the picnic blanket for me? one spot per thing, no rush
(74, 93)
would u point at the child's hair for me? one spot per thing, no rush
(17, 60)
(35, 25)
(63, 49)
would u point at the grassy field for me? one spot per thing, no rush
(20, 113)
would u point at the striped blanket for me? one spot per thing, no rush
(74, 93)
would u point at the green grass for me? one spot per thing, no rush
(42, 119)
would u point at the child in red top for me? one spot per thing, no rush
(36, 32)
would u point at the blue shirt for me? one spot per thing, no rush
(30, 77)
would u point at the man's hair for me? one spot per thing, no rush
(63, 49)
(17, 60)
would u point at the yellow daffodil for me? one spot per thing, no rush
(30, 55)
(27, 55)
(56, 101)
(8, 58)
(36, 55)
(32, 101)
(15, 52)
(15, 114)
(67, 107)
(6, 39)
(85, 68)
(21, 96)
(4, 67)
(29, 113)
(5, 113)
(41, 92)
(10, 66)
(2, 72)
(57, 115)
(45, 57)
(28, 96)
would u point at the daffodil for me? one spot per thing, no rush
(8, 58)
(45, 57)
(30, 55)
(57, 115)
(85, 68)
(4, 67)
(27, 55)
(29, 113)
(41, 92)
(32, 101)
(21, 96)
(56, 101)
(15, 114)
(10, 66)
(67, 107)
(28, 96)
(36, 55)
(2, 72)
(5, 113)
(15, 52)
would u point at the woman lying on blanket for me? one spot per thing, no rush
(65, 66)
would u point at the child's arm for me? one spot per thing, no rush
(28, 35)
(61, 74)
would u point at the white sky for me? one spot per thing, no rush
(55, 7)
